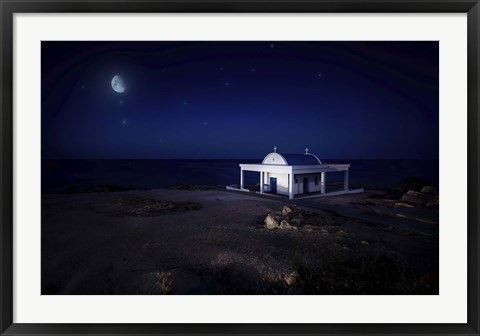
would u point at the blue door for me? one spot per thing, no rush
(273, 184)
(305, 185)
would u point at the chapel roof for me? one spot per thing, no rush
(300, 159)
(306, 159)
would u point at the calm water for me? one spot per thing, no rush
(57, 175)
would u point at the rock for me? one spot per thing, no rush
(416, 198)
(286, 210)
(167, 205)
(286, 226)
(402, 205)
(274, 222)
(271, 222)
(164, 281)
(325, 231)
(291, 278)
(147, 207)
(289, 218)
(364, 242)
(429, 190)
(296, 220)
(433, 203)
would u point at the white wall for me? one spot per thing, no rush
(275, 159)
(282, 182)
(298, 187)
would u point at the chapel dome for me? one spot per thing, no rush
(306, 159)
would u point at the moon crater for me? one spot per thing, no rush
(118, 85)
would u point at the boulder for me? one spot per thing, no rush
(271, 222)
(286, 210)
(276, 222)
(289, 218)
(291, 279)
(429, 190)
(416, 198)
(284, 225)
(433, 203)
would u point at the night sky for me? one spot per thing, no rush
(237, 100)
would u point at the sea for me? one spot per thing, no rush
(60, 175)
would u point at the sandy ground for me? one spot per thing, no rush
(216, 242)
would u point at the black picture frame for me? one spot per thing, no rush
(9, 7)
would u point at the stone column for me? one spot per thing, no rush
(241, 178)
(323, 182)
(345, 180)
(290, 185)
(261, 182)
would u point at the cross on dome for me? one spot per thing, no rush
(275, 149)
(306, 150)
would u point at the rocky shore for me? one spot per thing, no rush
(211, 241)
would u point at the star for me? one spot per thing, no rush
(320, 74)
(124, 122)
(83, 86)
(253, 70)
(121, 101)
(184, 103)
(221, 68)
(226, 83)
(204, 123)
(272, 45)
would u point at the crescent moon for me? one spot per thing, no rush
(117, 84)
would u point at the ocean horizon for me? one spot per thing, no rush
(58, 175)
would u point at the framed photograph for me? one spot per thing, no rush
(236, 167)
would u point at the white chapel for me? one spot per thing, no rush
(292, 174)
